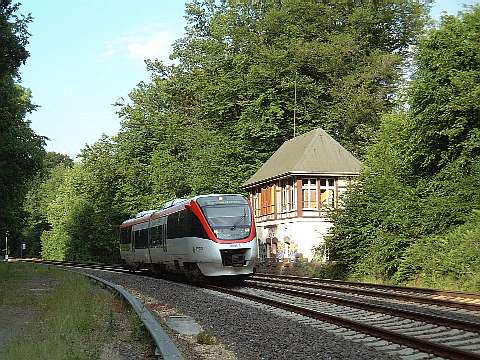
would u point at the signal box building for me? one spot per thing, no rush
(294, 192)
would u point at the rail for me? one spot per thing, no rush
(426, 346)
(468, 300)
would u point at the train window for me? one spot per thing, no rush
(197, 228)
(125, 235)
(184, 224)
(141, 239)
(172, 226)
(230, 220)
(156, 236)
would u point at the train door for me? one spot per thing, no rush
(148, 254)
(164, 237)
(157, 240)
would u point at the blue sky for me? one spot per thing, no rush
(86, 54)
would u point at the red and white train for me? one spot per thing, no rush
(207, 235)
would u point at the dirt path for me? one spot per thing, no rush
(14, 321)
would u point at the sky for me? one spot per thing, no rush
(87, 54)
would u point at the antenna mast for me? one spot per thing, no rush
(295, 106)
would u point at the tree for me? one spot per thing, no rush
(82, 210)
(421, 180)
(42, 189)
(207, 122)
(444, 94)
(21, 150)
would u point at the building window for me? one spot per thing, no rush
(327, 192)
(293, 195)
(256, 203)
(309, 192)
(287, 202)
(278, 197)
(284, 202)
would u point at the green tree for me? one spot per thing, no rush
(421, 181)
(210, 120)
(82, 210)
(444, 94)
(21, 150)
(42, 189)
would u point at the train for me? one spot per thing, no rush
(206, 236)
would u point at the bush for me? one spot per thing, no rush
(450, 261)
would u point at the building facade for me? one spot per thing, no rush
(293, 193)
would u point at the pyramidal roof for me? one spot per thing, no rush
(314, 153)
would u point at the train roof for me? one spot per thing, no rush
(169, 207)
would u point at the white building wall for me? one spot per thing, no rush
(302, 235)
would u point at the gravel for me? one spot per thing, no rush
(250, 331)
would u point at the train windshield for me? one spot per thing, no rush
(228, 215)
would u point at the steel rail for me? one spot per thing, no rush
(409, 341)
(78, 264)
(409, 314)
(313, 283)
(448, 293)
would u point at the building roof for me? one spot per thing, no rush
(313, 153)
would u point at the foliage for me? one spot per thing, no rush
(42, 190)
(205, 338)
(72, 319)
(444, 95)
(207, 122)
(448, 261)
(21, 149)
(421, 178)
(83, 213)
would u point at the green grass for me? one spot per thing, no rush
(75, 318)
(205, 338)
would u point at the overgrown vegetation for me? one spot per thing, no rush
(74, 318)
(414, 215)
(205, 338)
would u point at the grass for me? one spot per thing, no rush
(75, 317)
(205, 338)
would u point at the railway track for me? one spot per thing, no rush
(459, 300)
(385, 326)
(443, 335)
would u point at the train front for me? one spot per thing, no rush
(231, 227)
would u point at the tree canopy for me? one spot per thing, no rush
(208, 121)
(21, 150)
(420, 187)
